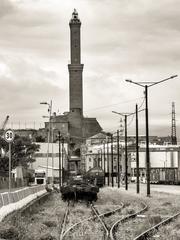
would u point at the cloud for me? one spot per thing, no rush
(6, 7)
(24, 85)
(120, 39)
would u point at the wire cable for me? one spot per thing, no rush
(107, 106)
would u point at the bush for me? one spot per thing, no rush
(8, 232)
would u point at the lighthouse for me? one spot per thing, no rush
(75, 68)
(75, 80)
(73, 126)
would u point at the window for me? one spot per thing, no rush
(89, 159)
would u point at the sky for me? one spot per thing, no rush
(120, 39)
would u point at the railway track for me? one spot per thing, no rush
(101, 218)
(96, 215)
(107, 233)
(148, 234)
(63, 224)
(104, 219)
(135, 221)
(113, 229)
(103, 224)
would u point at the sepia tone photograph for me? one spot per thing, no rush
(89, 120)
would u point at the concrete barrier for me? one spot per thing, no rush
(5, 197)
(1, 201)
(13, 197)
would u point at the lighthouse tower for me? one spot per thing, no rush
(75, 77)
(75, 68)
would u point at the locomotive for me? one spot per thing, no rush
(95, 176)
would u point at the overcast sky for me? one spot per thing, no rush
(120, 39)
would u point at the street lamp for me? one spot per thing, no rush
(49, 110)
(146, 85)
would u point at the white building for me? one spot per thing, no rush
(50, 162)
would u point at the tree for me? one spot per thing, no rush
(22, 152)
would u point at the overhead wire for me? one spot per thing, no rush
(107, 106)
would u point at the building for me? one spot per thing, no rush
(99, 153)
(74, 127)
(50, 162)
(164, 159)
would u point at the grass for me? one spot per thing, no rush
(43, 223)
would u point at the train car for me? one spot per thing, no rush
(77, 188)
(165, 176)
(95, 176)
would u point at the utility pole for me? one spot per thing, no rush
(126, 155)
(146, 85)
(147, 143)
(118, 172)
(137, 151)
(108, 158)
(62, 160)
(125, 115)
(59, 138)
(104, 153)
(112, 165)
(52, 156)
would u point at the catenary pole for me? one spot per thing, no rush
(108, 159)
(147, 143)
(112, 165)
(146, 85)
(118, 170)
(137, 151)
(62, 160)
(104, 157)
(59, 138)
(126, 155)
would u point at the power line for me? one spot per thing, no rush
(106, 106)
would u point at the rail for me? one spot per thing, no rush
(126, 218)
(64, 222)
(149, 232)
(108, 213)
(101, 221)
